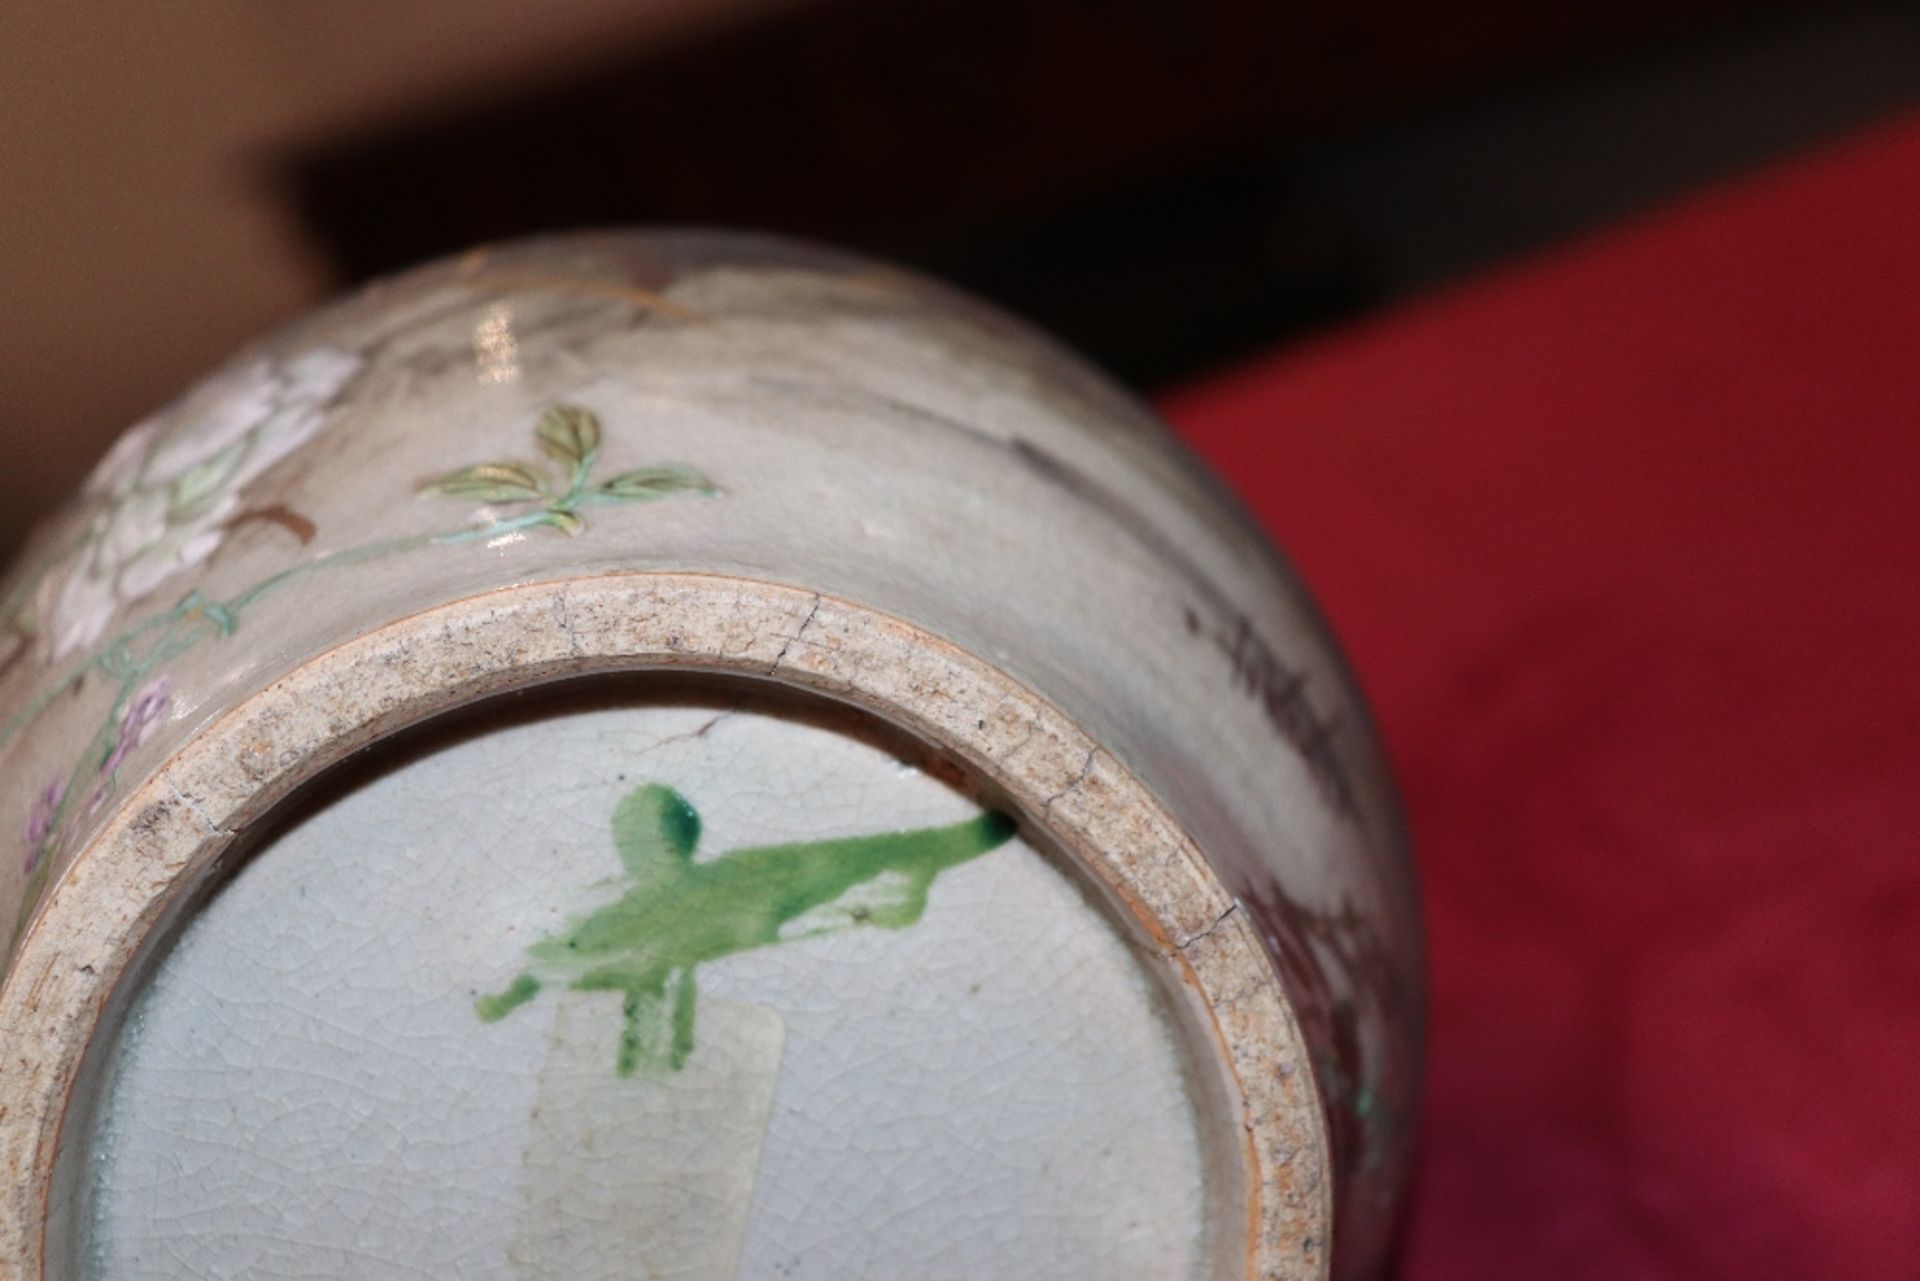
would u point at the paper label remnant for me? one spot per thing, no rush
(645, 1176)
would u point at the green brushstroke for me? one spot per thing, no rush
(492, 1009)
(675, 914)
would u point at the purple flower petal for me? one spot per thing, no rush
(40, 821)
(143, 713)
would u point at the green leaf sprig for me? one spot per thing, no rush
(570, 438)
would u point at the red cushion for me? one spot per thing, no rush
(1622, 542)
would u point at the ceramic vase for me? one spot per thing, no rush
(684, 756)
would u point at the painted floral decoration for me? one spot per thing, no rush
(164, 499)
(132, 726)
(42, 820)
(167, 489)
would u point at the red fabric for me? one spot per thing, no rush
(1623, 545)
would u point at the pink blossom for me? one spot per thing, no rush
(46, 810)
(142, 714)
(144, 711)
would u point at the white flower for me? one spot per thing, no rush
(170, 485)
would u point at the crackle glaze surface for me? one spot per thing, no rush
(848, 445)
(267, 1114)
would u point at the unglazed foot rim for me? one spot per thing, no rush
(170, 834)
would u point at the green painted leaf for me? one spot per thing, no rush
(570, 434)
(562, 519)
(657, 482)
(492, 483)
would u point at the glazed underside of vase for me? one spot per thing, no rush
(1098, 1006)
(647, 460)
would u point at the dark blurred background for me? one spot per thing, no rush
(1167, 183)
